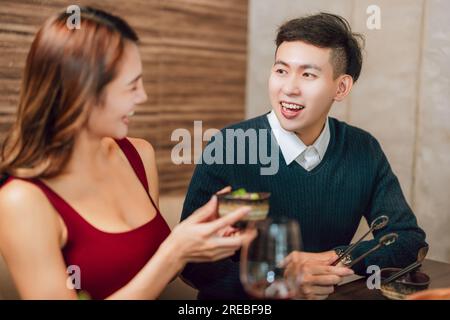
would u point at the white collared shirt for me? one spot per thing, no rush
(293, 148)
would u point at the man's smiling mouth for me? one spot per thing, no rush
(291, 110)
(291, 106)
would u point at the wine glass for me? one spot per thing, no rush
(262, 268)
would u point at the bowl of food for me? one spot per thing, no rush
(258, 201)
(406, 285)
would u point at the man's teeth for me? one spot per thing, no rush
(292, 106)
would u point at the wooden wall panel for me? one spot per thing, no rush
(194, 59)
(203, 72)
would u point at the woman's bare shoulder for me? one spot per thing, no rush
(147, 154)
(20, 199)
(30, 241)
(144, 148)
(20, 192)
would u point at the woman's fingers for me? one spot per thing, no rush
(214, 254)
(226, 242)
(205, 212)
(248, 235)
(224, 190)
(227, 231)
(228, 219)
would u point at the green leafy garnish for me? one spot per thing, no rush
(239, 192)
(242, 193)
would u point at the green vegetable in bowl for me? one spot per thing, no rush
(254, 196)
(239, 192)
(242, 193)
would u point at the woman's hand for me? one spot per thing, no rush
(316, 275)
(228, 231)
(196, 239)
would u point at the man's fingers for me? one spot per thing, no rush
(321, 297)
(324, 270)
(287, 260)
(322, 290)
(331, 257)
(300, 257)
(326, 280)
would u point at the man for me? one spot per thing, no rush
(330, 174)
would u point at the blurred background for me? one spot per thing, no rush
(209, 60)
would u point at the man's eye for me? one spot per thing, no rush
(280, 71)
(309, 75)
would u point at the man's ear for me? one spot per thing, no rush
(345, 84)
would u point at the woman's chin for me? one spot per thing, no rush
(120, 134)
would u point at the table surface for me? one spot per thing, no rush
(439, 273)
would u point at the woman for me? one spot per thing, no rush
(80, 196)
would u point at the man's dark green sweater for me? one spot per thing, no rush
(353, 180)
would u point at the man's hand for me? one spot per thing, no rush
(316, 275)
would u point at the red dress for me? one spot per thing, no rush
(108, 261)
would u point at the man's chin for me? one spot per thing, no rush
(291, 127)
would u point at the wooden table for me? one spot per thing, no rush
(439, 273)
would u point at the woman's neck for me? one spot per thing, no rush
(90, 154)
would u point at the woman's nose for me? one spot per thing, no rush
(142, 96)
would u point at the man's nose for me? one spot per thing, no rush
(292, 86)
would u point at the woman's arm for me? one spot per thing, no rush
(30, 241)
(193, 240)
(30, 237)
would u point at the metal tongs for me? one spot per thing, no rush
(412, 267)
(386, 240)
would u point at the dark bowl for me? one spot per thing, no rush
(408, 284)
(260, 207)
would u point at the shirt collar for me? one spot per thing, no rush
(291, 145)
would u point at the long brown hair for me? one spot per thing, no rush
(65, 73)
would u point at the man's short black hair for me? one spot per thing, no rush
(326, 30)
